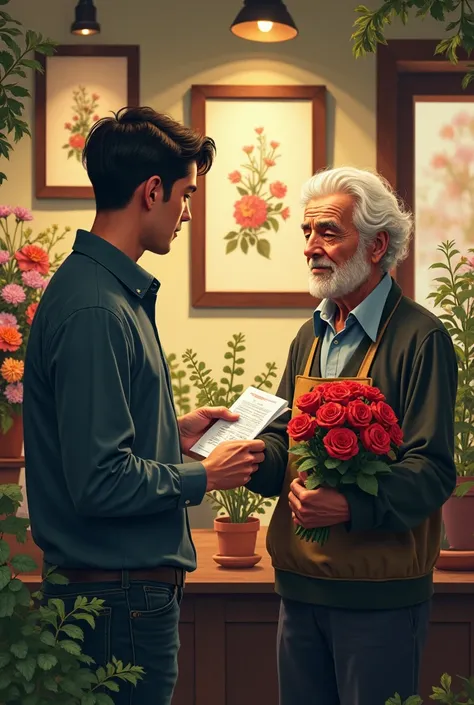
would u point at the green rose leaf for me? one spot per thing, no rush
(368, 484)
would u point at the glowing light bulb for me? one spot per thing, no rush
(85, 31)
(264, 26)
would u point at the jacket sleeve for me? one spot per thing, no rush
(424, 477)
(268, 479)
(91, 373)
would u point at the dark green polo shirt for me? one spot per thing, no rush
(105, 478)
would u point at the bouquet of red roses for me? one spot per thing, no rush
(343, 432)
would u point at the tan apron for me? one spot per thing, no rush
(282, 543)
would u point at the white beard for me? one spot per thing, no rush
(342, 280)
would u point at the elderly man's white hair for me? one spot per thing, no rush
(377, 207)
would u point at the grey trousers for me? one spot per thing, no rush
(329, 656)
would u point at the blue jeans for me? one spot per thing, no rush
(139, 625)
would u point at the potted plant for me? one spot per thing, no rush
(26, 264)
(236, 525)
(41, 658)
(455, 296)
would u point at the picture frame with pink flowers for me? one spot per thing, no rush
(246, 240)
(77, 85)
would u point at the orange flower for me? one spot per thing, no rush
(77, 141)
(259, 130)
(32, 257)
(278, 189)
(439, 161)
(269, 162)
(250, 211)
(30, 312)
(12, 370)
(447, 132)
(249, 149)
(10, 338)
(285, 214)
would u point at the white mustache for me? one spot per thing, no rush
(315, 263)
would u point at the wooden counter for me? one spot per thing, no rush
(229, 623)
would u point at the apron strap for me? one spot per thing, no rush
(369, 356)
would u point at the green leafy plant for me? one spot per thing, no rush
(41, 658)
(369, 27)
(238, 504)
(14, 63)
(443, 694)
(454, 294)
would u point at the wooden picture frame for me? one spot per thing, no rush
(408, 71)
(248, 108)
(56, 176)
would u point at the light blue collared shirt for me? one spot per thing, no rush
(337, 348)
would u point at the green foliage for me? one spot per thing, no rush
(369, 27)
(238, 504)
(442, 694)
(18, 45)
(455, 295)
(41, 658)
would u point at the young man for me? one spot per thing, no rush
(107, 487)
(355, 611)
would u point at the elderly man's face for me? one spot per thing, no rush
(338, 262)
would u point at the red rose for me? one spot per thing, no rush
(330, 415)
(309, 403)
(337, 391)
(341, 443)
(359, 414)
(375, 439)
(396, 434)
(373, 393)
(384, 413)
(302, 427)
(356, 389)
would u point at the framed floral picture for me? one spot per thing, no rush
(246, 241)
(79, 85)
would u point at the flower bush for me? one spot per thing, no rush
(26, 265)
(84, 115)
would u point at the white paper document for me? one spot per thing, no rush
(256, 410)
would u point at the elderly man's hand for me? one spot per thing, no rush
(315, 508)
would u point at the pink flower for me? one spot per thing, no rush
(95, 96)
(439, 161)
(46, 281)
(464, 154)
(33, 279)
(269, 162)
(8, 319)
(235, 177)
(67, 126)
(13, 294)
(461, 119)
(4, 256)
(5, 211)
(274, 144)
(285, 214)
(22, 214)
(75, 118)
(470, 261)
(96, 117)
(14, 393)
(278, 189)
(447, 132)
(259, 130)
(250, 211)
(249, 149)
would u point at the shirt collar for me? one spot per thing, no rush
(368, 313)
(134, 277)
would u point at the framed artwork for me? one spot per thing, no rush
(246, 242)
(80, 84)
(425, 124)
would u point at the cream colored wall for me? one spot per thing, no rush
(186, 42)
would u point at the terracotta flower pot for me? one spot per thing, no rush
(11, 443)
(458, 517)
(236, 542)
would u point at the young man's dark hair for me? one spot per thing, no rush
(123, 151)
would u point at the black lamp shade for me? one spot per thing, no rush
(264, 21)
(86, 19)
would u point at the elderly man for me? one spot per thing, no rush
(355, 611)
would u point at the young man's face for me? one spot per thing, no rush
(165, 218)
